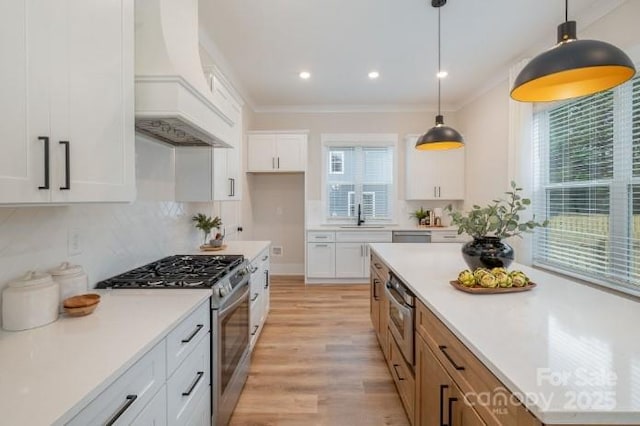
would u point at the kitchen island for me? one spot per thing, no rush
(568, 351)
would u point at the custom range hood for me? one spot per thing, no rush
(173, 100)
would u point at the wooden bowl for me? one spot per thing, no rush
(81, 305)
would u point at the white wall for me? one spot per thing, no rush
(113, 237)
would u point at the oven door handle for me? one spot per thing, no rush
(394, 300)
(235, 304)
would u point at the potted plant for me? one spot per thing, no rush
(420, 214)
(489, 226)
(206, 224)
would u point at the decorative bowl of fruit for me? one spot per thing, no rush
(492, 281)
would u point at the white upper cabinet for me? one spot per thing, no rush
(434, 175)
(68, 101)
(277, 152)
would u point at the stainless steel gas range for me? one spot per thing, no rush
(228, 277)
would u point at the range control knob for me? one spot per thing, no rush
(222, 291)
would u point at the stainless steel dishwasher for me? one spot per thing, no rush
(411, 237)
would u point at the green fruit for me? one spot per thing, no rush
(488, 280)
(479, 273)
(466, 278)
(495, 271)
(504, 280)
(519, 279)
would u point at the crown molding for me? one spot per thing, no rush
(337, 109)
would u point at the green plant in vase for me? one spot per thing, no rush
(420, 214)
(206, 224)
(490, 225)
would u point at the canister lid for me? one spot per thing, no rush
(32, 279)
(66, 269)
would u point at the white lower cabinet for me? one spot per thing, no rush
(129, 394)
(259, 297)
(350, 259)
(155, 413)
(188, 384)
(321, 258)
(169, 385)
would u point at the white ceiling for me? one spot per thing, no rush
(268, 42)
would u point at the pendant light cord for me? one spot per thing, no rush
(439, 60)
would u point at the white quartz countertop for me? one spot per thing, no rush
(249, 249)
(570, 351)
(343, 228)
(49, 373)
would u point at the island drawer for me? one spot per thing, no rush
(182, 339)
(404, 378)
(380, 268)
(470, 374)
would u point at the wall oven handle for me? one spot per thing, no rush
(443, 349)
(393, 299)
(130, 399)
(235, 304)
(188, 392)
(193, 334)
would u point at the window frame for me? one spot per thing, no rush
(620, 226)
(362, 140)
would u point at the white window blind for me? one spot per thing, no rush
(587, 184)
(366, 178)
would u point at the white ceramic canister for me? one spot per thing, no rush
(29, 302)
(72, 280)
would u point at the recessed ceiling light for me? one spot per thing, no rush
(442, 74)
(305, 75)
(373, 75)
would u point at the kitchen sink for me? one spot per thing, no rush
(362, 227)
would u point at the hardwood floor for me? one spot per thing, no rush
(318, 362)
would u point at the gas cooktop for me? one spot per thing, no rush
(181, 271)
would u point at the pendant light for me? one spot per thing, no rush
(439, 137)
(572, 68)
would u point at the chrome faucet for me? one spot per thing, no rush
(360, 217)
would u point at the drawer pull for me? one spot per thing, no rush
(377, 265)
(253, 269)
(449, 236)
(451, 401)
(255, 297)
(443, 349)
(442, 388)
(375, 287)
(395, 367)
(130, 399)
(192, 335)
(255, 330)
(194, 384)
(265, 258)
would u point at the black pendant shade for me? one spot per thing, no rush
(439, 137)
(572, 68)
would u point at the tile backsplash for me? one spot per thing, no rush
(112, 237)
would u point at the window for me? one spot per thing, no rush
(359, 175)
(336, 162)
(587, 183)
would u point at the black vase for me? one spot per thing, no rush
(487, 252)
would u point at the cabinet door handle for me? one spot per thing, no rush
(255, 297)
(443, 349)
(377, 265)
(266, 279)
(442, 389)
(439, 192)
(395, 368)
(230, 187)
(193, 334)
(273, 162)
(450, 410)
(130, 399)
(278, 162)
(45, 139)
(434, 192)
(255, 330)
(361, 250)
(67, 167)
(199, 376)
(375, 288)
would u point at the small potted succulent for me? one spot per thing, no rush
(206, 224)
(489, 226)
(420, 215)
